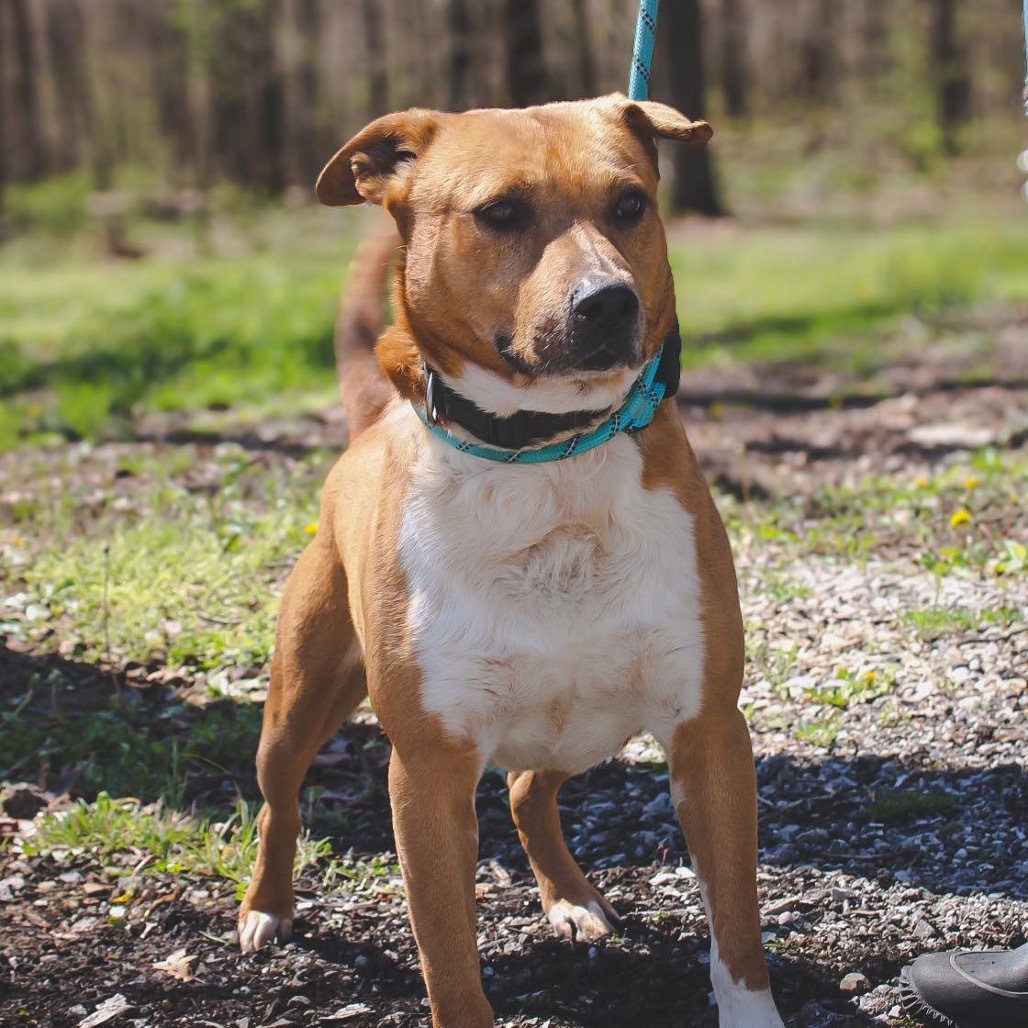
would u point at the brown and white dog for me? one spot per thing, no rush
(533, 615)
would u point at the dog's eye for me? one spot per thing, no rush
(503, 214)
(630, 206)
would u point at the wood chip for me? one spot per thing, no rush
(107, 1011)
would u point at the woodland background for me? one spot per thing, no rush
(191, 93)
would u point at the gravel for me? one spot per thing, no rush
(892, 790)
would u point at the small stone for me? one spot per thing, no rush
(854, 982)
(925, 930)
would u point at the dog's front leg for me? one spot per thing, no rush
(432, 790)
(714, 789)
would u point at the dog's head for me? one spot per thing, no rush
(533, 248)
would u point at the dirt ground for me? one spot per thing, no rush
(846, 899)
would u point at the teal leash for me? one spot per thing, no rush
(642, 52)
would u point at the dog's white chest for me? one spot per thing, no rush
(554, 609)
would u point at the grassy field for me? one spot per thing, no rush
(88, 344)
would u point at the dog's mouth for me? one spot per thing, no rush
(564, 355)
(505, 348)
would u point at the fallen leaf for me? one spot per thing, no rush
(177, 965)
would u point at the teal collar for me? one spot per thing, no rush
(659, 379)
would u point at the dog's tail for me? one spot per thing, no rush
(364, 388)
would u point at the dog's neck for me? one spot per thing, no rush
(444, 405)
(535, 436)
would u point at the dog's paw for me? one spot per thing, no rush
(257, 929)
(581, 923)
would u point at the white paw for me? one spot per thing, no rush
(257, 929)
(579, 924)
(745, 1008)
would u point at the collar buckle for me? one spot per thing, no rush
(431, 414)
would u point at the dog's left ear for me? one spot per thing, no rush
(649, 121)
(663, 122)
(378, 159)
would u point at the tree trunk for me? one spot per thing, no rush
(680, 42)
(64, 32)
(877, 59)
(202, 108)
(586, 63)
(950, 74)
(735, 71)
(271, 99)
(526, 73)
(309, 157)
(169, 73)
(820, 55)
(248, 94)
(459, 95)
(28, 157)
(5, 141)
(378, 80)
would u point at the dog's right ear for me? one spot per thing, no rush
(376, 164)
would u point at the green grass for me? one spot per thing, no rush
(87, 344)
(891, 806)
(849, 688)
(210, 335)
(57, 206)
(944, 523)
(116, 833)
(932, 623)
(828, 295)
(185, 576)
(127, 748)
(822, 732)
(157, 573)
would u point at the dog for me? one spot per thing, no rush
(517, 556)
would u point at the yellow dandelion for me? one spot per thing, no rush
(971, 482)
(921, 482)
(960, 517)
(311, 527)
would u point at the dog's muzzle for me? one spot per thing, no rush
(604, 327)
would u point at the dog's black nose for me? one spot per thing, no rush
(606, 308)
(604, 326)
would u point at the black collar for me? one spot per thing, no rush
(530, 427)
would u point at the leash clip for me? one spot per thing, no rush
(430, 411)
